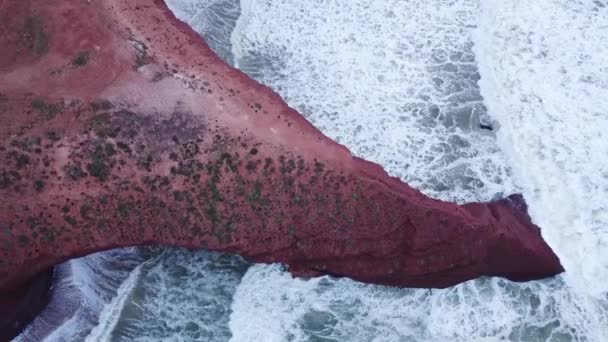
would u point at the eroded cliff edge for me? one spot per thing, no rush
(120, 127)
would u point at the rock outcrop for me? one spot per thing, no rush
(120, 127)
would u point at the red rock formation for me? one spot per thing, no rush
(120, 127)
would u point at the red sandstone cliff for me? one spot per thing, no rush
(119, 127)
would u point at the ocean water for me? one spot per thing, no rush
(415, 86)
(178, 295)
(82, 289)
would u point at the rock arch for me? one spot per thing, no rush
(120, 127)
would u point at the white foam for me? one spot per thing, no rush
(395, 81)
(179, 295)
(109, 316)
(270, 305)
(545, 79)
(366, 73)
(81, 288)
(285, 300)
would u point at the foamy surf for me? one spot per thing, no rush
(397, 82)
(82, 287)
(112, 311)
(545, 79)
(179, 295)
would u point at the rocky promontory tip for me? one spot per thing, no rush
(120, 127)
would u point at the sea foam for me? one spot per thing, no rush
(397, 82)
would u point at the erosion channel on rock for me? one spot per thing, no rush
(120, 127)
